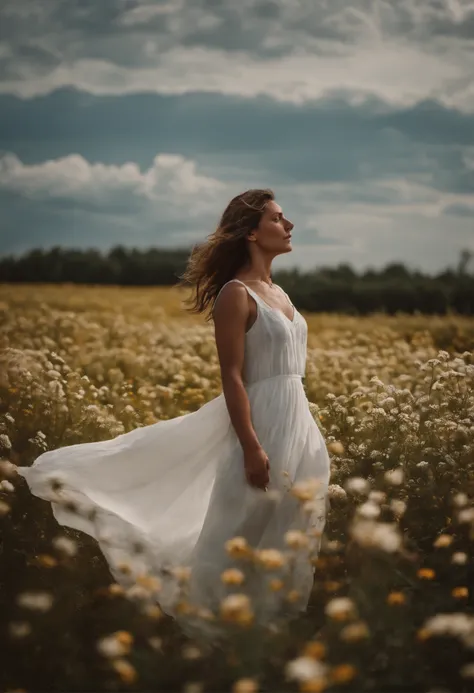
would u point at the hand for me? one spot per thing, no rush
(257, 467)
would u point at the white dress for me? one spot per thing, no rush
(172, 493)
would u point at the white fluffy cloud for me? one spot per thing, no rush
(171, 179)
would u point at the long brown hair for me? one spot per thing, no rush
(215, 262)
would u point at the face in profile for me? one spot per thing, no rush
(273, 234)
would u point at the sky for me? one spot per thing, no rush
(134, 122)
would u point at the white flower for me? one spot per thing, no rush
(459, 558)
(7, 468)
(305, 669)
(460, 500)
(466, 515)
(36, 601)
(356, 484)
(111, 646)
(457, 625)
(369, 510)
(337, 492)
(340, 606)
(5, 441)
(377, 496)
(66, 545)
(381, 535)
(19, 629)
(398, 507)
(394, 476)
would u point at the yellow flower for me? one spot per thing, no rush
(443, 540)
(296, 539)
(46, 560)
(423, 634)
(354, 632)
(396, 598)
(276, 584)
(270, 559)
(236, 608)
(115, 589)
(238, 547)
(153, 611)
(125, 670)
(183, 607)
(181, 573)
(150, 582)
(305, 490)
(232, 577)
(245, 686)
(336, 448)
(124, 568)
(124, 637)
(343, 673)
(313, 686)
(293, 596)
(426, 573)
(314, 649)
(332, 586)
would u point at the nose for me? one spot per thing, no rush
(289, 225)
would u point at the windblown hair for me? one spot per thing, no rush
(215, 262)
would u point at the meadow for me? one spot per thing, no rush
(392, 607)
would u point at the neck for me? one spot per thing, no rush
(260, 269)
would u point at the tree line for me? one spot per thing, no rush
(394, 288)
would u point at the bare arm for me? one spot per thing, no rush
(231, 314)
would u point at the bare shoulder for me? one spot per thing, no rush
(232, 302)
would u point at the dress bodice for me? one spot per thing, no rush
(274, 345)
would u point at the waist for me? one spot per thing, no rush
(280, 376)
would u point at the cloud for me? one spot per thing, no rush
(459, 210)
(170, 179)
(359, 113)
(290, 50)
(77, 203)
(259, 140)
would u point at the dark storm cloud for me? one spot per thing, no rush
(325, 141)
(115, 30)
(459, 210)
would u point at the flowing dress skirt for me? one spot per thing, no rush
(174, 492)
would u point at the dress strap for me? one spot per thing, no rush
(252, 293)
(255, 296)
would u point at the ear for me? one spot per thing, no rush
(252, 236)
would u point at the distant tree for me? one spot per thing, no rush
(464, 260)
(392, 289)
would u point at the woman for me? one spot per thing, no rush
(250, 463)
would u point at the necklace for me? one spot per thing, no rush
(269, 283)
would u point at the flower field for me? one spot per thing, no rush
(392, 607)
